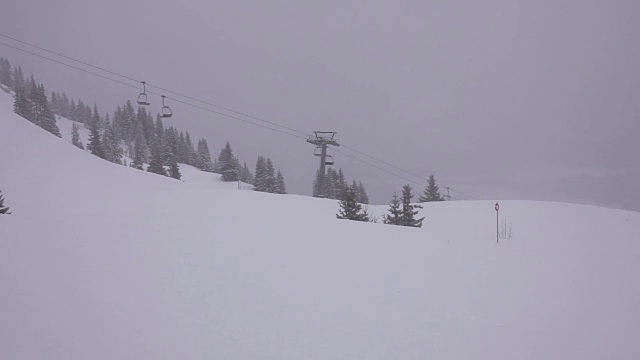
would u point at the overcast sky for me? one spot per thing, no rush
(498, 99)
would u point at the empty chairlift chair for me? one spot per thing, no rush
(166, 111)
(317, 151)
(328, 160)
(142, 98)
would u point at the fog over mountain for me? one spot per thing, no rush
(498, 99)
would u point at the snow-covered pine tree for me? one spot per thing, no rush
(227, 164)
(281, 187)
(432, 191)
(394, 217)
(41, 113)
(174, 170)
(349, 207)
(245, 174)
(330, 184)
(3, 209)
(63, 102)
(18, 79)
(189, 147)
(259, 178)
(113, 151)
(269, 177)
(21, 104)
(75, 136)
(316, 191)
(6, 76)
(203, 158)
(94, 144)
(96, 120)
(362, 196)
(155, 164)
(408, 210)
(341, 184)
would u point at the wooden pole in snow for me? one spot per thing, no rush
(497, 223)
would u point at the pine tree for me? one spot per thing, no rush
(75, 136)
(192, 153)
(174, 171)
(63, 103)
(408, 210)
(21, 104)
(259, 178)
(203, 156)
(432, 192)
(3, 209)
(94, 143)
(245, 174)
(330, 184)
(395, 213)
(227, 165)
(341, 185)
(316, 191)
(18, 79)
(269, 177)
(155, 165)
(362, 196)
(6, 76)
(281, 187)
(349, 207)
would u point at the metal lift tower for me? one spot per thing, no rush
(321, 139)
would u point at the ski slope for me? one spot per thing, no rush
(101, 261)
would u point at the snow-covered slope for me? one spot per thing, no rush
(100, 261)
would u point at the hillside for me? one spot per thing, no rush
(100, 261)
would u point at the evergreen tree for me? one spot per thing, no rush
(189, 147)
(140, 151)
(395, 213)
(21, 104)
(259, 178)
(63, 103)
(349, 207)
(281, 187)
(316, 191)
(245, 174)
(3, 209)
(341, 184)
(330, 184)
(6, 76)
(227, 165)
(113, 151)
(174, 171)
(42, 112)
(269, 177)
(361, 193)
(73, 110)
(18, 79)
(94, 143)
(432, 192)
(203, 157)
(408, 210)
(75, 136)
(155, 165)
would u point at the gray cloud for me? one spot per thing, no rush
(466, 90)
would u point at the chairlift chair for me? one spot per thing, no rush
(166, 111)
(317, 151)
(328, 160)
(142, 98)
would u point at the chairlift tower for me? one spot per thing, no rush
(322, 139)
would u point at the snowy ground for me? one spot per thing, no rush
(101, 261)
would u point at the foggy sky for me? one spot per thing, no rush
(499, 99)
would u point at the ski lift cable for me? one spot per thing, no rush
(154, 86)
(213, 111)
(151, 92)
